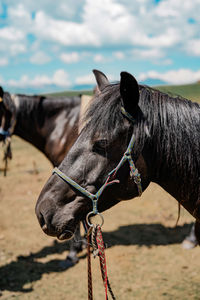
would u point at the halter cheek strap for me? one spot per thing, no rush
(127, 115)
(111, 176)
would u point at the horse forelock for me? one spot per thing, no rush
(103, 115)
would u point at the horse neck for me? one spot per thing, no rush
(37, 123)
(26, 120)
(172, 152)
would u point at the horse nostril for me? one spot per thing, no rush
(43, 223)
(44, 227)
(41, 220)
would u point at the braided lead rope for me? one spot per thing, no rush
(110, 290)
(94, 242)
(102, 260)
(90, 292)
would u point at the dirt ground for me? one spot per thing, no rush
(144, 255)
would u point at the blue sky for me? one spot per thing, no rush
(54, 45)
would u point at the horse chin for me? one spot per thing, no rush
(65, 235)
(67, 231)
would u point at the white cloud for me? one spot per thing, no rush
(2, 82)
(60, 78)
(119, 55)
(90, 79)
(89, 24)
(86, 79)
(57, 9)
(153, 53)
(181, 76)
(138, 23)
(12, 49)
(72, 57)
(19, 13)
(63, 32)
(193, 47)
(168, 38)
(40, 58)
(17, 48)
(99, 58)
(119, 22)
(113, 22)
(11, 34)
(3, 61)
(171, 8)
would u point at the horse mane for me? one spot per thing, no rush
(29, 103)
(173, 125)
(8, 102)
(180, 143)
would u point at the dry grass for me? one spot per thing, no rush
(144, 255)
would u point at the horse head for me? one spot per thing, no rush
(113, 120)
(7, 112)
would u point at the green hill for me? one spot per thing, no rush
(188, 91)
(70, 93)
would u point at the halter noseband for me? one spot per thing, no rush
(110, 179)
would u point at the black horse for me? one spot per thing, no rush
(165, 147)
(50, 124)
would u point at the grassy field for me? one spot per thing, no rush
(189, 91)
(144, 254)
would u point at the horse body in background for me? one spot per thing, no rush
(166, 151)
(50, 124)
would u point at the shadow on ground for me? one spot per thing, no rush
(146, 235)
(26, 269)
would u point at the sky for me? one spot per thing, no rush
(52, 45)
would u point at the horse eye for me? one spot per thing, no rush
(100, 145)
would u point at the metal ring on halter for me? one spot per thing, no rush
(92, 213)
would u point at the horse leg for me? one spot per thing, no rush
(191, 240)
(76, 246)
(197, 232)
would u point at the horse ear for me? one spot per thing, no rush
(129, 91)
(101, 79)
(1, 92)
